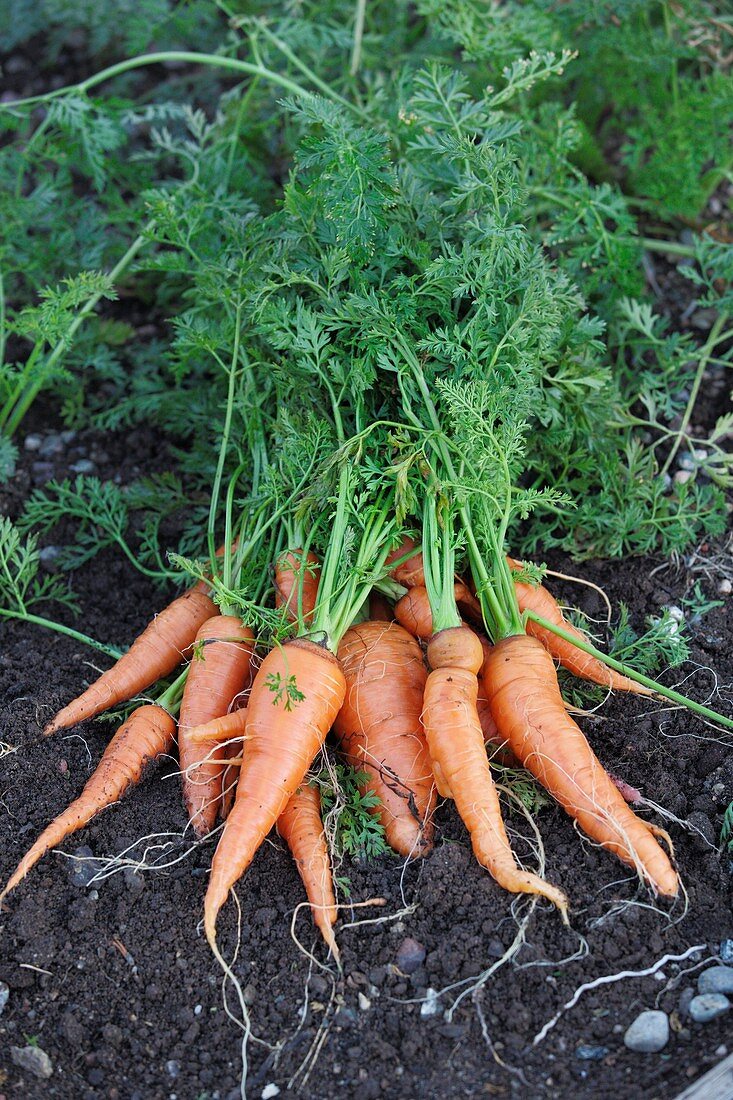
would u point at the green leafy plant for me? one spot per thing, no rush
(349, 814)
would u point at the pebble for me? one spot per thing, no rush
(83, 867)
(47, 557)
(683, 476)
(249, 995)
(41, 472)
(4, 996)
(33, 1060)
(173, 1068)
(364, 1002)
(717, 979)
(430, 1006)
(685, 462)
(270, 1091)
(726, 951)
(410, 956)
(649, 1033)
(724, 589)
(32, 442)
(51, 446)
(591, 1054)
(83, 466)
(708, 1006)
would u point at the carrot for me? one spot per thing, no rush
(411, 572)
(456, 745)
(219, 670)
(296, 584)
(226, 728)
(380, 732)
(229, 777)
(536, 598)
(301, 828)
(147, 733)
(413, 610)
(528, 709)
(156, 652)
(295, 698)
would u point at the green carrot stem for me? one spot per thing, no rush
(170, 700)
(625, 670)
(38, 620)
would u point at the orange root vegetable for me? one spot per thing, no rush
(409, 572)
(218, 672)
(536, 598)
(148, 733)
(227, 728)
(301, 828)
(229, 777)
(521, 683)
(295, 698)
(160, 648)
(414, 614)
(456, 744)
(290, 592)
(380, 732)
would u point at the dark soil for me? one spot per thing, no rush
(116, 984)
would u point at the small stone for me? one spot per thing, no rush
(708, 1006)
(41, 472)
(33, 442)
(62, 767)
(33, 1060)
(51, 446)
(47, 557)
(83, 866)
(724, 589)
(686, 462)
(83, 466)
(649, 1033)
(430, 1006)
(249, 995)
(717, 979)
(270, 1091)
(69, 435)
(410, 956)
(683, 476)
(590, 1054)
(134, 882)
(197, 1010)
(364, 1002)
(726, 951)
(685, 1000)
(4, 996)
(721, 1051)
(173, 1068)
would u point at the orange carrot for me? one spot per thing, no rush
(218, 672)
(301, 828)
(147, 733)
(413, 610)
(229, 777)
(160, 648)
(410, 572)
(528, 709)
(227, 728)
(291, 592)
(456, 745)
(295, 698)
(380, 731)
(536, 598)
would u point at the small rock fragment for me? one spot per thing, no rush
(4, 996)
(83, 866)
(685, 1000)
(590, 1053)
(649, 1033)
(83, 466)
(430, 1006)
(33, 1060)
(32, 442)
(364, 1002)
(410, 955)
(270, 1091)
(717, 979)
(708, 1006)
(724, 589)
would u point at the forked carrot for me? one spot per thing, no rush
(227, 728)
(380, 731)
(536, 598)
(296, 584)
(295, 698)
(218, 672)
(528, 709)
(148, 733)
(456, 745)
(301, 828)
(409, 572)
(160, 648)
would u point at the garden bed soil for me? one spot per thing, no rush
(115, 982)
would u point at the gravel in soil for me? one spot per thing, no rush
(111, 978)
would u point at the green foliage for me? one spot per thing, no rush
(21, 586)
(357, 832)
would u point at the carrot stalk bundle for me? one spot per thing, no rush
(456, 745)
(380, 731)
(218, 672)
(536, 598)
(529, 711)
(301, 828)
(295, 698)
(148, 733)
(160, 648)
